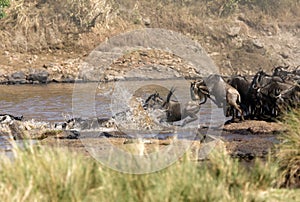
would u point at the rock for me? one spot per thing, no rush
(18, 75)
(38, 76)
(67, 79)
(114, 134)
(17, 78)
(254, 127)
(147, 21)
(258, 44)
(284, 55)
(233, 31)
(249, 149)
(254, 46)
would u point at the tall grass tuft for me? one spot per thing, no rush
(42, 174)
(289, 152)
(47, 174)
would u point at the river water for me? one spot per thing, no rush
(52, 102)
(57, 102)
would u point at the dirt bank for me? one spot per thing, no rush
(249, 146)
(238, 143)
(56, 36)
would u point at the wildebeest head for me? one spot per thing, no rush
(153, 101)
(199, 91)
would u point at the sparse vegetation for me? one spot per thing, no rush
(289, 152)
(79, 26)
(58, 175)
(223, 8)
(3, 4)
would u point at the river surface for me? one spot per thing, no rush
(52, 102)
(58, 102)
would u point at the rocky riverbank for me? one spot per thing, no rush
(63, 72)
(36, 49)
(246, 140)
(157, 63)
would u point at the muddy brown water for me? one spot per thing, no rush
(52, 102)
(56, 102)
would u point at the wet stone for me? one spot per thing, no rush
(39, 76)
(17, 78)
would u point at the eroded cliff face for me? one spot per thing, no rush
(56, 36)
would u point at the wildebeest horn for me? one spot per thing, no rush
(204, 90)
(255, 87)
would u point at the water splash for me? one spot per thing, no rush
(137, 121)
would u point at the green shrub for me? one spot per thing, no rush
(47, 174)
(3, 4)
(289, 152)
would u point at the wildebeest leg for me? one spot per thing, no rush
(232, 101)
(229, 111)
(238, 108)
(216, 103)
(190, 110)
(194, 117)
(245, 109)
(224, 110)
(205, 99)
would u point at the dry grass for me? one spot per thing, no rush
(83, 13)
(73, 24)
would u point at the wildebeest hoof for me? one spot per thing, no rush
(228, 122)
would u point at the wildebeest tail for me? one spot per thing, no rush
(239, 101)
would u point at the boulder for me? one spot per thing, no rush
(38, 76)
(17, 78)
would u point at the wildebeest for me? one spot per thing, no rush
(263, 93)
(224, 94)
(242, 85)
(289, 98)
(266, 97)
(255, 103)
(173, 108)
(285, 74)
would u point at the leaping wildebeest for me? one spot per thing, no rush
(224, 94)
(199, 91)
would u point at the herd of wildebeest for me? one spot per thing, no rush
(262, 97)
